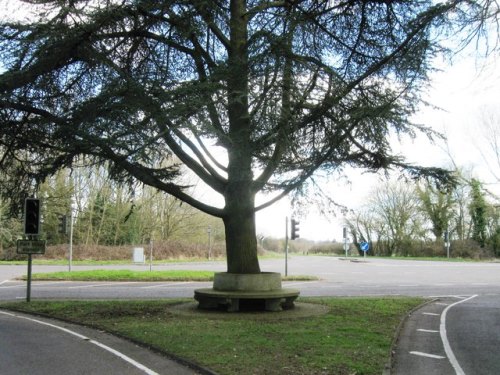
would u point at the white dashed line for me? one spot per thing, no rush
(430, 314)
(427, 330)
(421, 354)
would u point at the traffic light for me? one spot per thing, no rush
(62, 224)
(295, 229)
(32, 216)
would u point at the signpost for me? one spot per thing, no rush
(364, 247)
(346, 246)
(31, 245)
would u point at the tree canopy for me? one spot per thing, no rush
(285, 88)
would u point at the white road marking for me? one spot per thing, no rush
(165, 285)
(421, 354)
(431, 314)
(13, 286)
(3, 282)
(442, 304)
(102, 284)
(289, 283)
(444, 338)
(97, 343)
(427, 330)
(408, 285)
(38, 283)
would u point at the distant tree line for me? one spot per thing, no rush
(108, 213)
(407, 219)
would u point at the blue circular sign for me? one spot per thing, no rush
(364, 246)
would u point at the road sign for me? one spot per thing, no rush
(364, 246)
(30, 246)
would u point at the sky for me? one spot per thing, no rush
(461, 92)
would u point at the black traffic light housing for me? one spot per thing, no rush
(32, 216)
(62, 224)
(295, 229)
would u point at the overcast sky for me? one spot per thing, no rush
(462, 91)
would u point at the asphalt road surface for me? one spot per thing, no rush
(373, 277)
(36, 346)
(466, 309)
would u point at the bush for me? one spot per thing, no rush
(161, 251)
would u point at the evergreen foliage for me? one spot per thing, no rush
(285, 88)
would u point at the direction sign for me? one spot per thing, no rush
(364, 246)
(30, 246)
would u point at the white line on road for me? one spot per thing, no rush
(431, 314)
(166, 285)
(298, 283)
(444, 338)
(102, 284)
(44, 283)
(421, 354)
(23, 285)
(427, 330)
(97, 343)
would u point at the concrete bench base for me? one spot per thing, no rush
(232, 301)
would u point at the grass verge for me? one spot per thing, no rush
(354, 337)
(128, 275)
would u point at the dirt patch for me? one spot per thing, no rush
(301, 310)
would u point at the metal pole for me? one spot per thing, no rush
(344, 235)
(209, 231)
(28, 286)
(150, 255)
(286, 246)
(70, 256)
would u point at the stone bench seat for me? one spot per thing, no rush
(273, 300)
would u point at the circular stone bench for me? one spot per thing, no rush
(231, 291)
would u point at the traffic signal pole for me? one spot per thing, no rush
(286, 246)
(28, 284)
(31, 231)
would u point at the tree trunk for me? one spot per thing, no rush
(239, 225)
(239, 218)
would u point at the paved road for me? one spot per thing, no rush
(36, 346)
(468, 308)
(451, 336)
(338, 278)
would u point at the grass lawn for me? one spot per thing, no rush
(128, 275)
(353, 337)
